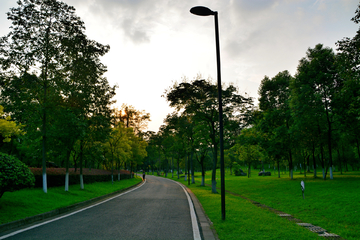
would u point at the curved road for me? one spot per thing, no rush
(158, 209)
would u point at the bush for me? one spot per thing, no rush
(239, 172)
(14, 175)
(59, 180)
(56, 176)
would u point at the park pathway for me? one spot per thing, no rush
(158, 209)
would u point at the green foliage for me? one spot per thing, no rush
(52, 78)
(274, 122)
(14, 175)
(237, 170)
(123, 147)
(247, 149)
(197, 103)
(8, 128)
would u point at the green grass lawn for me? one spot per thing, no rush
(29, 202)
(332, 204)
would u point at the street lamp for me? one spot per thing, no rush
(204, 11)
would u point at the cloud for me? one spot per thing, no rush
(156, 41)
(139, 20)
(135, 18)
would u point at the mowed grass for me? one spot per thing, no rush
(29, 202)
(332, 204)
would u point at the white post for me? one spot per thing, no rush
(67, 182)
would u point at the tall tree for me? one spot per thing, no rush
(118, 147)
(136, 119)
(315, 87)
(348, 62)
(48, 47)
(247, 148)
(276, 120)
(199, 99)
(36, 44)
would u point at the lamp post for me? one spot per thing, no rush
(204, 11)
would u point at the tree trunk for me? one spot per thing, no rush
(330, 148)
(314, 161)
(67, 171)
(213, 174)
(339, 159)
(167, 166)
(178, 168)
(118, 168)
(305, 166)
(192, 168)
(202, 171)
(67, 181)
(131, 170)
(81, 165)
(290, 165)
(44, 143)
(322, 162)
(75, 162)
(278, 163)
(344, 158)
(112, 168)
(189, 173)
(358, 150)
(172, 166)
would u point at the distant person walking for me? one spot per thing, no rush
(143, 175)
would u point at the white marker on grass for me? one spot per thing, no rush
(302, 184)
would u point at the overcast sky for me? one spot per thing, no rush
(156, 42)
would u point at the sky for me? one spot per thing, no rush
(155, 43)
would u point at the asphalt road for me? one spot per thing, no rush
(159, 209)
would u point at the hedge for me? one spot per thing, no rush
(55, 179)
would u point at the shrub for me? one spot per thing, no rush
(237, 170)
(56, 176)
(14, 175)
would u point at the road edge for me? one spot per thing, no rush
(203, 221)
(207, 232)
(47, 215)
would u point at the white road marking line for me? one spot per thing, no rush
(67, 215)
(195, 226)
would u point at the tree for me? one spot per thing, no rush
(199, 100)
(247, 149)
(138, 120)
(138, 149)
(201, 149)
(182, 130)
(152, 153)
(8, 128)
(348, 63)
(49, 51)
(14, 175)
(276, 121)
(314, 91)
(37, 43)
(118, 147)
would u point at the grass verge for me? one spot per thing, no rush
(332, 204)
(30, 202)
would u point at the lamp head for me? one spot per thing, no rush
(201, 11)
